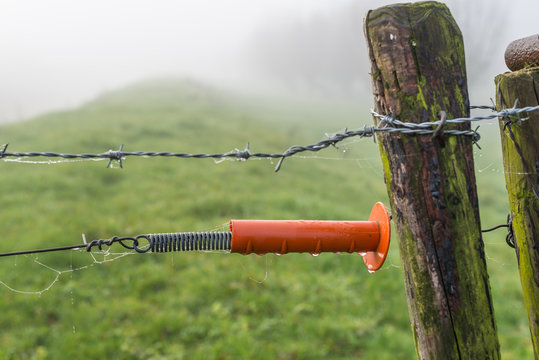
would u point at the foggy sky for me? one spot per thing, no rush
(57, 54)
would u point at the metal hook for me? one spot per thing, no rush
(439, 130)
(510, 238)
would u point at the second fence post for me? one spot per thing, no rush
(520, 145)
(418, 70)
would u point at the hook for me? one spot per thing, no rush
(439, 130)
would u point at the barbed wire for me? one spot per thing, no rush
(387, 123)
(505, 113)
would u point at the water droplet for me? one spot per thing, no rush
(371, 271)
(74, 330)
(315, 254)
(278, 254)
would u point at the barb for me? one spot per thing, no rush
(3, 150)
(387, 124)
(116, 155)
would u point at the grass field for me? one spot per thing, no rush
(211, 305)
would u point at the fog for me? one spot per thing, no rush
(57, 54)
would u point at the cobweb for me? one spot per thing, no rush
(97, 258)
(259, 270)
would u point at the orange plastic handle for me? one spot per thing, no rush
(368, 238)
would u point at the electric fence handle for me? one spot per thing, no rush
(369, 238)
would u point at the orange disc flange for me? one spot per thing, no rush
(375, 259)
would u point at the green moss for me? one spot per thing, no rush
(460, 100)
(387, 168)
(529, 288)
(433, 30)
(521, 199)
(420, 98)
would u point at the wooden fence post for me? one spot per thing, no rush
(520, 146)
(418, 69)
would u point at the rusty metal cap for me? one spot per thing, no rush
(523, 53)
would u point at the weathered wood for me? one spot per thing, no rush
(520, 146)
(418, 69)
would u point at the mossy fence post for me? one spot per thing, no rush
(418, 69)
(520, 147)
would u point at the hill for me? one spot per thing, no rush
(208, 305)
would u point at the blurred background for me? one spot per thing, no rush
(57, 54)
(210, 76)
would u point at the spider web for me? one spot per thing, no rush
(486, 165)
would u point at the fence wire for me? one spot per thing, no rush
(387, 123)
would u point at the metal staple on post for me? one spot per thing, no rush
(439, 129)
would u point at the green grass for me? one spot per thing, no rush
(211, 305)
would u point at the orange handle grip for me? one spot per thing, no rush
(284, 236)
(369, 238)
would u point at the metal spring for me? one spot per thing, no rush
(190, 241)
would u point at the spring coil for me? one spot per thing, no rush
(190, 241)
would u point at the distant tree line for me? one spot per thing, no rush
(326, 54)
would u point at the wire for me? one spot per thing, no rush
(387, 124)
(510, 238)
(190, 241)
